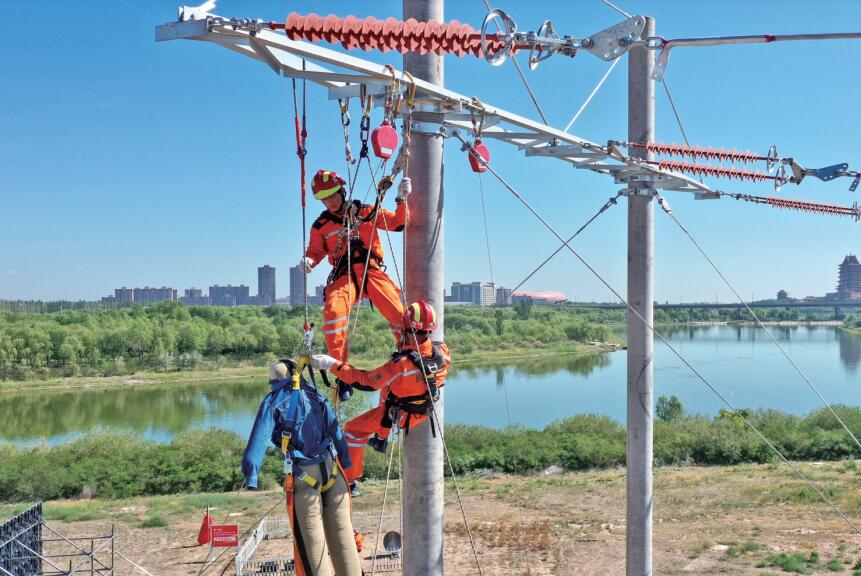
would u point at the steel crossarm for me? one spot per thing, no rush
(346, 76)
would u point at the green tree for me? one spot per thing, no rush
(523, 309)
(669, 409)
(499, 325)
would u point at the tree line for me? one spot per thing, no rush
(170, 336)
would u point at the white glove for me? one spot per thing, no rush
(306, 264)
(405, 188)
(323, 362)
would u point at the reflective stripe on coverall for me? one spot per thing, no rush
(341, 293)
(399, 377)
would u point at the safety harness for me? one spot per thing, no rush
(359, 253)
(328, 476)
(419, 404)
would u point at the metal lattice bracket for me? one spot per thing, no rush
(346, 76)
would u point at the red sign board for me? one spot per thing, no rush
(224, 535)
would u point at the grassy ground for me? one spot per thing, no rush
(746, 520)
(258, 370)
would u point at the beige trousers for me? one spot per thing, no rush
(325, 528)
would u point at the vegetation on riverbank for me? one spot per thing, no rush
(169, 337)
(117, 465)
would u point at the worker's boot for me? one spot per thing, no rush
(354, 489)
(378, 444)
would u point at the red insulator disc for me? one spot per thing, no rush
(384, 140)
(482, 151)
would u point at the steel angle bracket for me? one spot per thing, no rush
(263, 52)
(185, 30)
(611, 43)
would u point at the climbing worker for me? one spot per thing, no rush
(349, 278)
(299, 420)
(409, 385)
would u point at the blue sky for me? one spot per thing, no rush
(126, 162)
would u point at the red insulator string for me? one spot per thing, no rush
(711, 170)
(801, 205)
(389, 34)
(700, 152)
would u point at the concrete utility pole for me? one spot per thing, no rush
(641, 229)
(424, 496)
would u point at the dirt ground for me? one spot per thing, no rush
(723, 520)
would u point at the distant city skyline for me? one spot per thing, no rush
(218, 295)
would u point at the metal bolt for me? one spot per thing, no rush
(586, 42)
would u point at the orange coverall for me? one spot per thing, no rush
(342, 290)
(399, 378)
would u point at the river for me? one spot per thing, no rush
(741, 362)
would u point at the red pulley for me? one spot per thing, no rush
(482, 151)
(385, 140)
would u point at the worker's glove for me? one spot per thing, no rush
(306, 264)
(404, 189)
(323, 362)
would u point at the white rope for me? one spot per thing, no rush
(649, 325)
(759, 323)
(592, 95)
(141, 568)
(616, 8)
(383, 508)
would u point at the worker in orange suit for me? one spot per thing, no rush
(350, 279)
(409, 385)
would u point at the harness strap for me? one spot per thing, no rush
(292, 408)
(318, 485)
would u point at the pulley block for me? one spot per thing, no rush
(384, 139)
(479, 148)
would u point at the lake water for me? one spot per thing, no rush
(741, 362)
